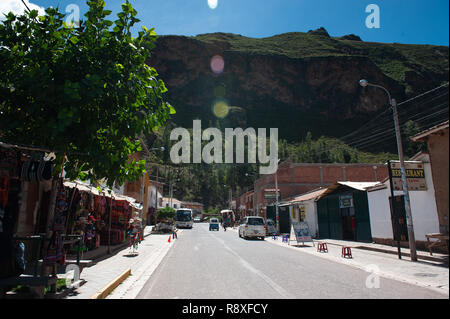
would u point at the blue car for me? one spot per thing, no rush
(214, 224)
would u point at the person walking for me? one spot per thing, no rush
(174, 233)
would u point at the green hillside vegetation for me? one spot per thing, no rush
(392, 58)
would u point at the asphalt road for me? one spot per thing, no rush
(207, 264)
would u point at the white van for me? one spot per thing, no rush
(252, 227)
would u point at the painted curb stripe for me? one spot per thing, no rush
(112, 285)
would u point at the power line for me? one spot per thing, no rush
(402, 125)
(390, 129)
(411, 99)
(365, 126)
(405, 111)
(389, 123)
(372, 143)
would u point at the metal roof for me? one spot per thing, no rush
(430, 130)
(304, 197)
(361, 186)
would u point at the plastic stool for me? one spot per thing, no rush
(322, 247)
(346, 252)
(285, 238)
(274, 237)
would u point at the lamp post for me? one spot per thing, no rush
(276, 201)
(146, 205)
(230, 196)
(409, 221)
(255, 211)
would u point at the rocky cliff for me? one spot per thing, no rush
(297, 82)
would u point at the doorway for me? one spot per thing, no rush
(348, 223)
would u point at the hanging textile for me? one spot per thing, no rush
(9, 163)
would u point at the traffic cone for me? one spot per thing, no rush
(169, 239)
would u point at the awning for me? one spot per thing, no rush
(82, 186)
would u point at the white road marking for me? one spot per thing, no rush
(283, 292)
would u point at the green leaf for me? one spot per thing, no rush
(74, 40)
(33, 14)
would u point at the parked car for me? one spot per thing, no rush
(214, 224)
(270, 227)
(252, 227)
(197, 219)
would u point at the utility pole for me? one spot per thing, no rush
(409, 221)
(276, 200)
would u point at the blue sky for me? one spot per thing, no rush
(403, 21)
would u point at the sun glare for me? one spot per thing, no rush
(212, 4)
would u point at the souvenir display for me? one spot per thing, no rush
(4, 187)
(36, 170)
(9, 163)
(55, 250)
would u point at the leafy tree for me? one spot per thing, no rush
(166, 213)
(410, 129)
(84, 91)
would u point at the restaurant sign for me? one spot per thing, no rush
(415, 175)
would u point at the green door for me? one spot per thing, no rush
(322, 218)
(285, 220)
(334, 217)
(271, 213)
(363, 232)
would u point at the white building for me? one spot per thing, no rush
(423, 207)
(169, 202)
(303, 208)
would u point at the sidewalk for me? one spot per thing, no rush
(104, 270)
(382, 260)
(436, 258)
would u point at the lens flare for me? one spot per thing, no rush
(212, 4)
(221, 109)
(217, 64)
(219, 91)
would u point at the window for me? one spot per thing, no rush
(256, 221)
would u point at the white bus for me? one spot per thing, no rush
(184, 218)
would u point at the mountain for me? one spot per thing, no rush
(298, 82)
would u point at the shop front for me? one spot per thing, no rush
(100, 218)
(343, 212)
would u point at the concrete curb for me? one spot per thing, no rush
(131, 287)
(112, 285)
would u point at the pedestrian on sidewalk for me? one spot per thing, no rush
(174, 233)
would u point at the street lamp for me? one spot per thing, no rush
(409, 221)
(230, 196)
(276, 200)
(158, 149)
